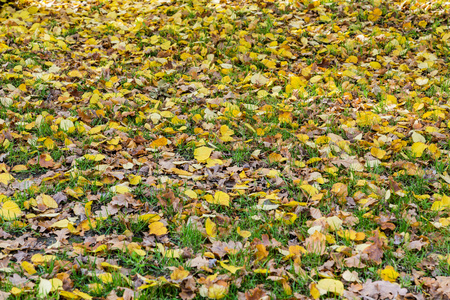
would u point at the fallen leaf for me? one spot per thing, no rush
(202, 154)
(330, 286)
(157, 228)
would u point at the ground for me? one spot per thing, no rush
(224, 149)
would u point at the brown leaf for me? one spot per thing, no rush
(375, 251)
(382, 290)
(46, 161)
(256, 294)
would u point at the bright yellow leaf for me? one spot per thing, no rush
(9, 210)
(134, 179)
(375, 65)
(28, 267)
(309, 189)
(231, 269)
(202, 154)
(157, 228)
(211, 228)
(6, 178)
(378, 153)
(221, 198)
(389, 274)
(244, 233)
(418, 148)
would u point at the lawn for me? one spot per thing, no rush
(224, 149)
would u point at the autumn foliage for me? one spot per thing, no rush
(224, 149)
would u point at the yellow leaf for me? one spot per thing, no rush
(82, 295)
(191, 194)
(262, 94)
(18, 168)
(96, 129)
(261, 252)
(315, 79)
(172, 253)
(339, 190)
(202, 154)
(9, 210)
(136, 248)
(289, 218)
(269, 63)
(33, 9)
(134, 179)
(226, 133)
(76, 192)
(37, 259)
(366, 118)
(324, 18)
(275, 157)
(47, 201)
(16, 291)
(105, 277)
(97, 157)
(375, 65)
(68, 295)
(390, 99)
(418, 148)
(221, 198)
(29, 268)
(378, 153)
(180, 172)
(349, 73)
(49, 143)
(297, 82)
(314, 291)
(100, 248)
(309, 189)
(75, 73)
(231, 269)
(330, 285)
(149, 218)
(215, 291)
(57, 284)
(179, 274)
(244, 233)
(296, 250)
(60, 224)
(211, 228)
(162, 141)
(389, 274)
(106, 265)
(120, 189)
(157, 228)
(352, 59)
(5, 178)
